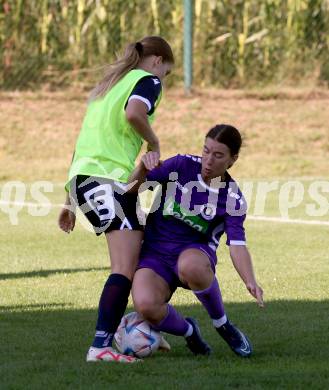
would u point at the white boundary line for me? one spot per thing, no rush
(237, 179)
(249, 217)
(287, 220)
(28, 204)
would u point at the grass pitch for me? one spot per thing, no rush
(50, 285)
(50, 282)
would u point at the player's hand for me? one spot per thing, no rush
(151, 160)
(66, 219)
(164, 346)
(257, 292)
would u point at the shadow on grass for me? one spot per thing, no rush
(34, 307)
(289, 338)
(47, 272)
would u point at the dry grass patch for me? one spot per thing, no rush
(286, 132)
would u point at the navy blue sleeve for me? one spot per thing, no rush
(147, 90)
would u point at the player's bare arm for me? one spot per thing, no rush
(136, 114)
(149, 161)
(66, 218)
(243, 264)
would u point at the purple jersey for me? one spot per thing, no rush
(188, 211)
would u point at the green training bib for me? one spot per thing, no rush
(108, 145)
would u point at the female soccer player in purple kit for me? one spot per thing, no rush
(199, 202)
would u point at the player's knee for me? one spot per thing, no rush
(146, 307)
(194, 271)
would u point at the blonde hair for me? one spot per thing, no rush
(134, 52)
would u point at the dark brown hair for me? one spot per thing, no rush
(228, 135)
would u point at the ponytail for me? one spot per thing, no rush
(151, 45)
(114, 72)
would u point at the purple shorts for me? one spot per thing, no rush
(167, 266)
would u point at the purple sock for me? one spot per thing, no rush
(211, 299)
(173, 323)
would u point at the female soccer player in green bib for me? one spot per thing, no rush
(117, 122)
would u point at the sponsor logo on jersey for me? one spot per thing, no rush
(174, 209)
(156, 81)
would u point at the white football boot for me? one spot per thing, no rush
(109, 354)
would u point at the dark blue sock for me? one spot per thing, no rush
(102, 339)
(112, 305)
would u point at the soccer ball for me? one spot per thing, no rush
(135, 337)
